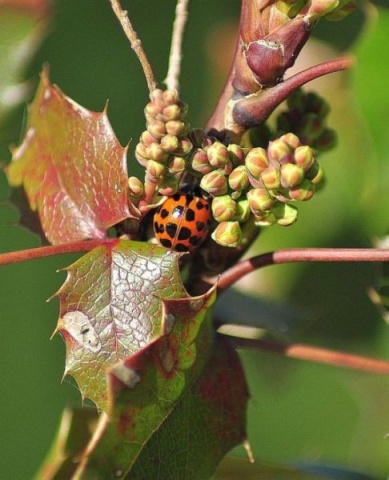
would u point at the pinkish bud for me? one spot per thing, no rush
(291, 175)
(228, 234)
(259, 200)
(238, 179)
(223, 208)
(256, 161)
(271, 178)
(215, 183)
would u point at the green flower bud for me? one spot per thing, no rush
(177, 127)
(236, 153)
(168, 186)
(315, 174)
(285, 214)
(223, 208)
(256, 161)
(141, 154)
(317, 104)
(228, 234)
(215, 183)
(170, 143)
(153, 109)
(135, 187)
(291, 140)
(147, 138)
(157, 94)
(326, 140)
(279, 152)
(303, 192)
(170, 96)
(259, 200)
(271, 178)
(218, 155)
(291, 175)
(157, 153)
(238, 179)
(177, 165)
(303, 156)
(342, 11)
(265, 219)
(172, 112)
(297, 101)
(185, 147)
(156, 129)
(290, 7)
(199, 161)
(319, 8)
(155, 169)
(312, 126)
(243, 210)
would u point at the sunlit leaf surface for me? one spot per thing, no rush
(111, 307)
(71, 166)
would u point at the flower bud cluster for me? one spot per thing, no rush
(164, 144)
(258, 182)
(307, 118)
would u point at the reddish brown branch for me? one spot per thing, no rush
(319, 355)
(245, 267)
(255, 109)
(49, 251)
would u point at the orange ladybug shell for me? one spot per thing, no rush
(182, 222)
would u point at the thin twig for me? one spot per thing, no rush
(245, 267)
(136, 44)
(51, 250)
(319, 355)
(172, 78)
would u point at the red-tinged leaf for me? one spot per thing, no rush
(71, 166)
(110, 307)
(178, 405)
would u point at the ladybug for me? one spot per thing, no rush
(181, 223)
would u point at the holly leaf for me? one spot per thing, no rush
(177, 405)
(72, 167)
(110, 307)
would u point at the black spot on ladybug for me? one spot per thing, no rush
(164, 213)
(165, 242)
(171, 229)
(176, 197)
(190, 215)
(184, 233)
(159, 228)
(200, 226)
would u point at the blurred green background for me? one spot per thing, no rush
(299, 413)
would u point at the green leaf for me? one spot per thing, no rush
(72, 167)
(110, 307)
(178, 405)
